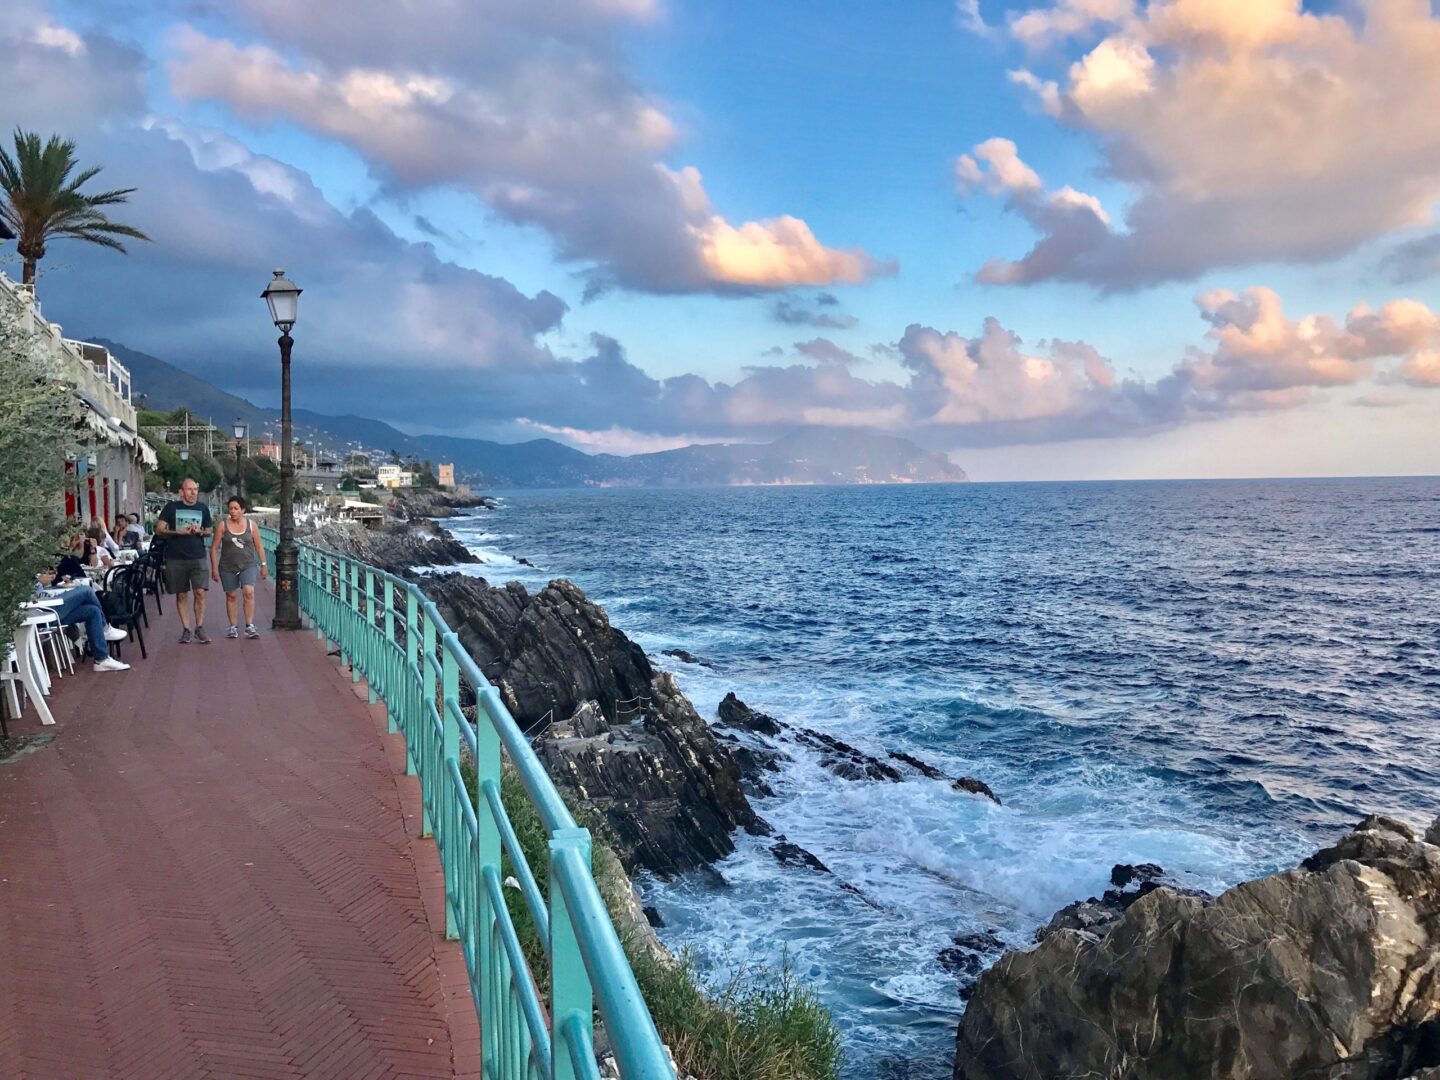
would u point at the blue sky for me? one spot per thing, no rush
(586, 218)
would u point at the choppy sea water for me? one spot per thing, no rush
(1213, 676)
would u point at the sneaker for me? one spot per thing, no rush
(250, 631)
(110, 664)
(114, 633)
(233, 632)
(201, 636)
(185, 636)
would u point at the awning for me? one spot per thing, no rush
(147, 453)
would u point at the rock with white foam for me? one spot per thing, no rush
(1330, 971)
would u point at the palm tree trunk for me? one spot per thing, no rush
(29, 275)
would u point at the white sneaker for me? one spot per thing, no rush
(114, 633)
(110, 664)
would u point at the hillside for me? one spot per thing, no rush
(807, 456)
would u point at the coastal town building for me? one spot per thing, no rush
(268, 448)
(394, 476)
(105, 465)
(447, 475)
(320, 475)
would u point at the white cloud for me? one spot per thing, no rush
(540, 119)
(1249, 131)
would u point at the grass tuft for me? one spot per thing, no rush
(760, 1023)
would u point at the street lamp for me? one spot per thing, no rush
(241, 431)
(283, 298)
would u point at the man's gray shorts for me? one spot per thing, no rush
(182, 575)
(230, 580)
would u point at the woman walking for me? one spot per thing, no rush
(236, 558)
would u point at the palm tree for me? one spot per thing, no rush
(43, 203)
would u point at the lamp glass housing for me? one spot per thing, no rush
(283, 297)
(240, 429)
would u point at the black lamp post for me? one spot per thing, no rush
(241, 430)
(283, 298)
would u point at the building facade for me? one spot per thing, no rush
(447, 475)
(393, 476)
(105, 464)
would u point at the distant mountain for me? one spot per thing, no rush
(808, 456)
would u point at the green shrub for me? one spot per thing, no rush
(38, 418)
(758, 1024)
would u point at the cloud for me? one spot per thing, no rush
(1421, 368)
(531, 108)
(1042, 27)
(793, 313)
(1247, 132)
(1069, 221)
(827, 352)
(65, 81)
(1414, 260)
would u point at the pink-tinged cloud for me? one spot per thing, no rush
(553, 133)
(1248, 131)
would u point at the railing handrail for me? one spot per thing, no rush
(360, 608)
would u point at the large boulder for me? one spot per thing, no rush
(619, 737)
(1327, 972)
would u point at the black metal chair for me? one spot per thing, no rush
(125, 606)
(154, 583)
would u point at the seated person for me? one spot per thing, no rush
(103, 541)
(133, 533)
(80, 606)
(121, 532)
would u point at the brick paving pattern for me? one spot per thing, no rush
(215, 870)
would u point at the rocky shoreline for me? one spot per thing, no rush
(1330, 971)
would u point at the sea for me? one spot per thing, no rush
(1215, 676)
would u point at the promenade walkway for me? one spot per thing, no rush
(215, 870)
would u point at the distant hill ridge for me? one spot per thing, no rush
(807, 456)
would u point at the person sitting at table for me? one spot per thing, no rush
(104, 543)
(121, 532)
(80, 606)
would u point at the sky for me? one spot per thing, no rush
(1075, 239)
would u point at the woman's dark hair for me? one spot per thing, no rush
(238, 499)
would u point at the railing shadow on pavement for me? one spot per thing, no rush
(391, 634)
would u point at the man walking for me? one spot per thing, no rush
(185, 524)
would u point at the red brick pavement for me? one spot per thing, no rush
(215, 870)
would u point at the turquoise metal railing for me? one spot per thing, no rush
(391, 635)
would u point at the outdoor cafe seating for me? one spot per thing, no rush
(42, 651)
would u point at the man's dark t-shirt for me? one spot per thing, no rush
(177, 545)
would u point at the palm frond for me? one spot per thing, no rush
(43, 196)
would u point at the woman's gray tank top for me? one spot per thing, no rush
(236, 552)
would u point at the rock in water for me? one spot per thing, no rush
(1327, 972)
(618, 736)
(735, 713)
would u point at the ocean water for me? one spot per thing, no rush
(1213, 676)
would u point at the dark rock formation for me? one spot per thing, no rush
(842, 759)
(1327, 972)
(688, 657)
(788, 854)
(735, 713)
(1095, 916)
(393, 547)
(410, 505)
(968, 955)
(619, 736)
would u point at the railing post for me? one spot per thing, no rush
(571, 997)
(371, 632)
(450, 751)
(412, 693)
(488, 852)
(353, 571)
(429, 682)
(391, 678)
